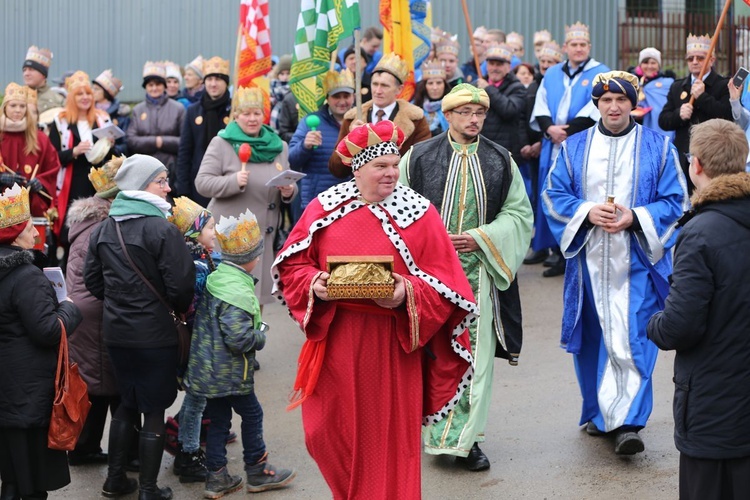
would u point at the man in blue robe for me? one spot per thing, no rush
(612, 200)
(563, 107)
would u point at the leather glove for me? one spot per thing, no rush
(7, 179)
(35, 185)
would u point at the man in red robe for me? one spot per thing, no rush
(373, 370)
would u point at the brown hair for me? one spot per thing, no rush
(372, 32)
(720, 146)
(497, 34)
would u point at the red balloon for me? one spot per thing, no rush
(245, 152)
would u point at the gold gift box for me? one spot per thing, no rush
(360, 277)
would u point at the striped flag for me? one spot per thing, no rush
(320, 27)
(420, 28)
(395, 16)
(253, 58)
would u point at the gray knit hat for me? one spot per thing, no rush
(137, 171)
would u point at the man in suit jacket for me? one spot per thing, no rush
(711, 99)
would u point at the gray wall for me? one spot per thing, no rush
(94, 35)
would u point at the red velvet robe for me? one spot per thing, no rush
(11, 148)
(376, 382)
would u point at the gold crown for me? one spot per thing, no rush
(156, 69)
(514, 39)
(15, 92)
(184, 213)
(42, 56)
(239, 235)
(697, 43)
(577, 31)
(393, 64)
(499, 51)
(447, 45)
(551, 49)
(334, 80)
(433, 69)
(76, 80)
(103, 179)
(108, 82)
(14, 206)
(249, 97)
(216, 65)
(542, 37)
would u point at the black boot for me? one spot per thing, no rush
(263, 476)
(192, 466)
(150, 450)
(8, 491)
(118, 483)
(221, 483)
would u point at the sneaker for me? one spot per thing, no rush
(264, 476)
(628, 443)
(220, 483)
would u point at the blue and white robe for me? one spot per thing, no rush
(562, 99)
(614, 282)
(655, 94)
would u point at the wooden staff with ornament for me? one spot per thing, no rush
(714, 40)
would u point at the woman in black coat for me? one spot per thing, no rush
(30, 329)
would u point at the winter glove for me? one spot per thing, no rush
(35, 185)
(7, 179)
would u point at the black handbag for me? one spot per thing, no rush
(283, 228)
(183, 333)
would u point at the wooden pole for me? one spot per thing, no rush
(358, 77)
(714, 41)
(471, 38)
(334, 55)
(237, 50)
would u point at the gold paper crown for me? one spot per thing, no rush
(15, 92)
(393, 64)
(542, 37)
(551, 49)
(184, 213)
(433, 69)
(249, 97)
(216, 65)
(42, 56)
(697, 43)
(239, 236)
(334, 80)
(499, 51)
(156, 69)
(31, 95)
(514, 39)
(108, 82)
(14, 206)
(577, 31)
(76, 80)
(447, 46)
(103, 179)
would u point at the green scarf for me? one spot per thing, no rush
(125, 205)
(236, 287)
(265, 147)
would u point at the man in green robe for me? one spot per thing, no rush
(479, 192)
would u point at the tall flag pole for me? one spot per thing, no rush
(253, 55)
(395, 17)
(320, 26)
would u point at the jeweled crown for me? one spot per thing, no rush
(499, 51)
(393, 64)
(14, 206)
(447, 45)
(433, 69)
(238, 235)
(577, 31)
(16, 92)
(216, 65)
(698, 43)
(542, 37)
(108, 82)
(154, 68)
(76, 80)
(42, 56)
(551, 49)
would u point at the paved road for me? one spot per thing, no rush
(536, 449)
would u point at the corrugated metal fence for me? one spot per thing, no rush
(94, 35)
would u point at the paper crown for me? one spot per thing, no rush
(103, 179)
(447, 46)
(184, 213)
(239, 236)
(577, 31)
(437, 35)
(108, 82)
(16, 92)
(498, 52)
(433, 69)
(41, 56)
(542, 36)
(197, 66)
(249, 97)
(154, 70)
(514, 39)
(14, 206)
(172, 70)
(334, 82)
(393, 64)
(480, 32)
(77, 80)
(368, 135)
(698, 44)
(551, 49)
(216, 66)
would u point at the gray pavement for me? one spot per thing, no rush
(535, 446)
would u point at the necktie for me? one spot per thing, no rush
(380, 114)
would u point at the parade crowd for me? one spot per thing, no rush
(175, 222)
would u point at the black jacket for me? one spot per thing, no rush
(505, 123)
(133, 316)
(707, 321)
(29, 337)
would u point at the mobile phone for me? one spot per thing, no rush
(739, 78)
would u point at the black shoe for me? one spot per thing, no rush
(118, 483)
(593, 430)
(556, 270)
(476, 460)
(220, 483)
(192, 466)
(552, 260)
(537, 257)
(628, 443)
(150, 451)
(75, 459)
(264, 476)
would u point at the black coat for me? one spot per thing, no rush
(707, 321)
(505, 123)
(192, 148)
(133, 316)
(29, 337)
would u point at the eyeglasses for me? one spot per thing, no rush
(163, 182)
(479, 114)
(695, 58)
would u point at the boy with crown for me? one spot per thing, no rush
(226, 333)
(711, 99)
